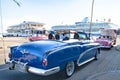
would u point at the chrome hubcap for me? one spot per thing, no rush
(70, 68)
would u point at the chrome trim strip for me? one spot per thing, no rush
(43, 72)
(105, 46)
(86, 61)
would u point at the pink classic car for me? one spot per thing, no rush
(108, 38)
(35, 38)
(105, 41)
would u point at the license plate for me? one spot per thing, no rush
(21, 67)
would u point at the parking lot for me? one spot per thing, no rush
(6, 43)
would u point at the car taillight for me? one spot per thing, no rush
(44, 62)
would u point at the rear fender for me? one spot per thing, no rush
(12, 51)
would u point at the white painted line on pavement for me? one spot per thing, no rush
(3, 69)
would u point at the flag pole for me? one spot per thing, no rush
(91, 18)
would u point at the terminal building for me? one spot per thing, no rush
(27, 27)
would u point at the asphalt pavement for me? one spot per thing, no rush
(107, 67)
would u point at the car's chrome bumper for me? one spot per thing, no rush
(26, 68)
(105, 46)
(43, 72)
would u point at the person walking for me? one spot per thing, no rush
(51, 36)
(65, 37)
(57, 36)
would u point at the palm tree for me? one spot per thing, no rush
(18, 3)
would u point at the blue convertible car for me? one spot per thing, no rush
(47, 57)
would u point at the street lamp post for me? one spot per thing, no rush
(1, 27)
(1, 23)
(1, 34)
(91, 18)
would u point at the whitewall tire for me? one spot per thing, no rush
(70, 68)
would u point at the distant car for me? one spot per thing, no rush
(78, 35)
(105, 41)
(110, 32)
(35, 38)
(94, 35)
(46, 57)
(8, 34)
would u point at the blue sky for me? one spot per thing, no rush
(55, 12)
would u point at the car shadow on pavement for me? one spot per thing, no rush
(6, 74)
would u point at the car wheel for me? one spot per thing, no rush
(114, 42)
(96, 55)
(70, 68)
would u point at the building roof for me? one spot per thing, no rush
(27, 22)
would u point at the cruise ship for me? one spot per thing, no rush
(85, 25)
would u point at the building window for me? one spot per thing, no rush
(33, 24)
